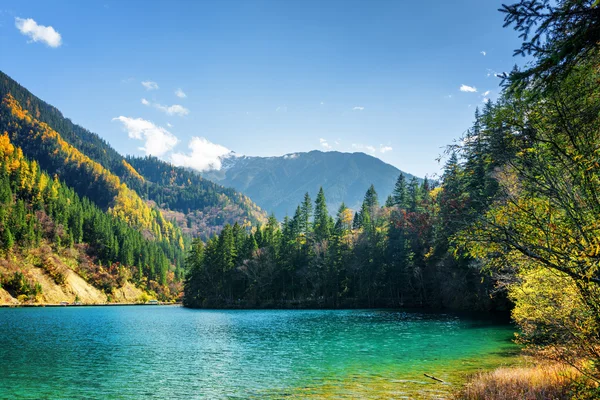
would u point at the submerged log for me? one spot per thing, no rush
(434, 378)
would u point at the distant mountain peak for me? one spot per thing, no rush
(278, 183)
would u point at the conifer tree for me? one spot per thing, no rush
(399, 194)
(322, 228)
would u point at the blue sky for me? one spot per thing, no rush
(262, 77)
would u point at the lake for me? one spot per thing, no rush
(141, 352)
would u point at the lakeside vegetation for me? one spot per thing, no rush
(516, 214)
(512, 225)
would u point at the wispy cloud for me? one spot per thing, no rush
(385, 149)
(358, 146)
(204, 155)
(491, 72)
(467, 88)
(485, 96)
(157, 140)
(175, 109)
(150, 85)
(483, 53)
(282, 109)
(324, 143)
(358, 108)
(180, 93)
(38, 33)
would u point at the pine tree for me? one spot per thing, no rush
(7, 238)
(322, 228)
(306, 214)
(400, 194)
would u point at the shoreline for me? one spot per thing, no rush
(87, 305)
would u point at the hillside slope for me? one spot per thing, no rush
(78, 221)
(199, 206)
(278, 184)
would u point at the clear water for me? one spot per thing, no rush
(171, 352)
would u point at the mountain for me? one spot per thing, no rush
(278, 184)
(72, 209)
(200, 207)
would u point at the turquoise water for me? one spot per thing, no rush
(164, 352)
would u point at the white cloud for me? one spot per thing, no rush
(149, 85)
(324, 143)
(385, 149)
(358, 108)
(466, 88)
(157, 140)
(180, 93)
(175, 109)
(483, 52)
(38, 33)
(359, 146)
(485, 99)
(491, 72)
(487, 92)
(169, 125)
(204, 155)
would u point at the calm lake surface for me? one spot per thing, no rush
(165, 352)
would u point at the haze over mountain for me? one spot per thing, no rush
(278, 184)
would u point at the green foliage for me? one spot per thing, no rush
(387, 261)
(521, 192)
(19, 285)
(206, 206)
(36, 208)
(558, 34)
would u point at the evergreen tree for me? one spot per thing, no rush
(322, 226)
(305, 214)
(400, 195)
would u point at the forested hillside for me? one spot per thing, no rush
(74, 208)
(45, 224)
(199, 206)
(277, 184)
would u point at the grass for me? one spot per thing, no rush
(542, 381)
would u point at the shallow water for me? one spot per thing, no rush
(163, 352)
